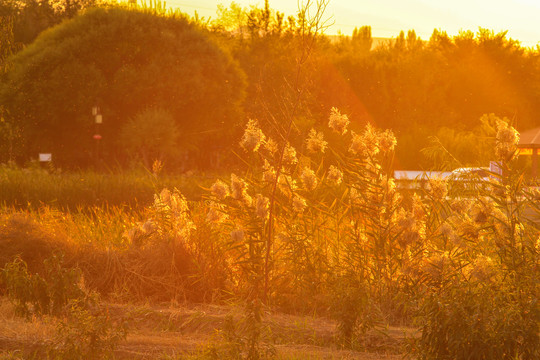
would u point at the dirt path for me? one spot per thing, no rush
(187, 331)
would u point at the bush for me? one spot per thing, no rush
(86, 334)
(84, 328)
(34, 294)
(150, 136)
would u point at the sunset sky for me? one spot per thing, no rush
(388, 17)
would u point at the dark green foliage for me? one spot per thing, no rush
(240, 340)
(8, 45)
(62, 284)
(151, 135)
(450, 149)
(9, 135)
(270, 47)
(19, 286)
(34, 16)
(125, 61)
(408, 84)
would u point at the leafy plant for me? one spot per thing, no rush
(85, 329)
(19, 286)
(86, 333)
(116, 66)
(354, 311)
(237, 341)
(34, 294)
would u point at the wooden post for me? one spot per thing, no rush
(534, 160)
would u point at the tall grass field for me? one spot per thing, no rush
(319, 233)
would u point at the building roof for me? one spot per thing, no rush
(529, 138)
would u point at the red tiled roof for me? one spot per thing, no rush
(530, 138)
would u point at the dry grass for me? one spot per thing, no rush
(19, 334)
(21, 235)
(160, 271)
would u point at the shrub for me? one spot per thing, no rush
(84, 328)
(86, 334)
(151, 135)
(34, 294)
(480, 321)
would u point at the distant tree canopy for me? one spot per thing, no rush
(410, 85)
(416, 87)
(31, 17)
(124, 61)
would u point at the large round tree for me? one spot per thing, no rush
(125, 62)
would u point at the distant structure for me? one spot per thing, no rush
(529, 143)
(376, 41)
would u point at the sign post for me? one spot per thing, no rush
(98, 120)
(45, 157)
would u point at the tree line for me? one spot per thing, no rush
(201, 79)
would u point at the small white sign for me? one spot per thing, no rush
(45, 157)
(99, 119)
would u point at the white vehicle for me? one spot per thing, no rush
(471, 179)
(471, 174)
